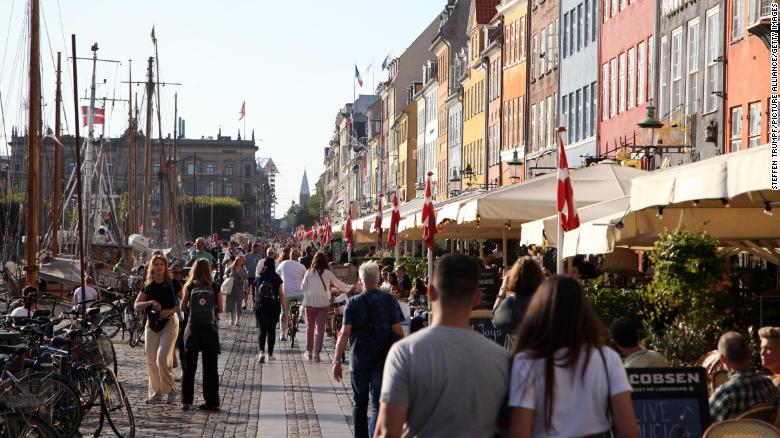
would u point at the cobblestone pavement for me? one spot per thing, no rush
(289, 397)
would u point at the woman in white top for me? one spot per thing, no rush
(564, 379)
(316, 300)
(30, 304)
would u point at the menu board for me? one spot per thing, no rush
(482, 322)
(670, 402)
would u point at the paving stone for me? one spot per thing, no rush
(288, 397)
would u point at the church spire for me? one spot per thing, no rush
(304, 195)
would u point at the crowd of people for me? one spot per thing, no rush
(560, 372)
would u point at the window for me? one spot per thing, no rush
(533, 128)
(566, 40)
(613, 87)
(505, 133)
(604, 91)
(228, 189)
(614, 7)
(622, 83)
(712, 53)
(736, 128)
(156, 169)
(737, 20)
(577, 125)
(517, 42)
(521, 42)
(228, 169)
(580, 27)
(520, 126)
(209, 168)
(640, 74)
(631, 93)
(210, 189)
(664, 91)
(550, 120)
(650, 67)
(190, 168)
(692, 91)
(677, 68)
(586, 26)
(585, 111)
(606, 11)
(534, 52)
(542, 52)
(565, 113)
(593, 109)
(572, 119)
(754, 123)
(542, 125)
(247, 170)
(594, 18)
(623, 4)
(575, 26)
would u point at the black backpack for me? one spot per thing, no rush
(202, 302)
(267, 295)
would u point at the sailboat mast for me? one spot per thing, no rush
(89, 154)
(79, 193)
(132, 173)
(148, 150)
(33, 148)
(161, 177)
(56, 196)
(172, 174)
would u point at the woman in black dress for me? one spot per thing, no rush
(267, 310)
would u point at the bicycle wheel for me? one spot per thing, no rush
(136, 332)
(109, 319)
(15, 425)
(293, 328)
(116, 406)
(60, 402)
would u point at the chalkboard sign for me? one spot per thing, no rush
(482, 321)
(670, 402)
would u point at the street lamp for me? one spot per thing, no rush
(514, 163)
(211, 197)
(650, 127)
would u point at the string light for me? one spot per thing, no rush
(660, 214)
(478, 219)
(767, 208)
(696, 203)
(725, 202)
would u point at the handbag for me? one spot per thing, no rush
(227, 285)
(155, 321)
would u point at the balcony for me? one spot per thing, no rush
(760, 18)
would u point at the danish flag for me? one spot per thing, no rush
(567, 208)
(429, 216)
(395, 219)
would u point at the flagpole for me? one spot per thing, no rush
(559, 249)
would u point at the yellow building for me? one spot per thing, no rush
(406, 126)
(473, 83)
(513, 84)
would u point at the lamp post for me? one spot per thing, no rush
(514, 163)
(211, 197)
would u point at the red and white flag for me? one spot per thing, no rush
(429, 216)
(395, 219)
(98, 116)
(242, 113)
(348, 228)
(378, 222)
(567, 208)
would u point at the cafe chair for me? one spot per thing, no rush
(761, 411)
(747, 428)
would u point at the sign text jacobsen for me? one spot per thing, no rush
(663, 378)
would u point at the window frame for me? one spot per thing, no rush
(735, 136)
(641, 81)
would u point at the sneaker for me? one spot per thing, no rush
(282, 338)
(261, 358)
(177, 377)
(307, 355)
(316, 357)
(271, 358)
(185, 407)
(171, 398)
(237, 324)
(154, 400)
(205, 407)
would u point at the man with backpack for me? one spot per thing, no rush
(372, 323)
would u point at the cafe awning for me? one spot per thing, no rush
(535, 198)
(534, 232)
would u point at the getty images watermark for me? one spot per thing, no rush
(774, 121)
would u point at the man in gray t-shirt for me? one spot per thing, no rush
(446, 380)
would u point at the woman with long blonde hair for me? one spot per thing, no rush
(201, 335)
(236, 296)
(158, 300)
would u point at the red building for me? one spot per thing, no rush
(626, 71)
(747, 74)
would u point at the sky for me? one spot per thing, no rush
(292, 62)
